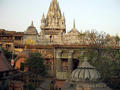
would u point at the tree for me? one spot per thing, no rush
(108, 66)
(117, 40)
(35, 64)
(104, 56)
(29, 87)
(97, 41)
(8, 54)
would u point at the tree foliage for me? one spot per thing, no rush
(35, 64)
(8, 54)
(108, 65)
(29, 87)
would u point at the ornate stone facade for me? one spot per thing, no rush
(59, 49)
(53, 29)
(65, 47)
(54, 23)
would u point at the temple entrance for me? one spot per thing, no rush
(75, 63)
(64, 64)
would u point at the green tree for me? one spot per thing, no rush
(35, 64)
(29, 87)
(8, 54)
(117, 39)
(108, 66)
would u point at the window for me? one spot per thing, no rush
(17, 38)
(7, 46)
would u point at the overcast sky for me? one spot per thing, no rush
(102, 15)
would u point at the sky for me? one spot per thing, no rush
(100, 15)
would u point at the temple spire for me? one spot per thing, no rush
(43, 18)
(54, 1)
(54, 10)
(32, 24)
(54, 19)
(63, 15)
(74, 24)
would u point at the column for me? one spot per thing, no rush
(59, 62)
(70, 63)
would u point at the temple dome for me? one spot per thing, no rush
(31, 29)
(85, 72)
(74, 31)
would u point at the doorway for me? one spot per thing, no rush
(75, 63)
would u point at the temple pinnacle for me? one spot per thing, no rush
(74, 24)
(32, 24)
(43, 17)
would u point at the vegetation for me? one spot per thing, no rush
(29, 87)
(108, 65)
(104, 56)
(35, 64)
(8, 54)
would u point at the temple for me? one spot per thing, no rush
(54, 22)
(60, 49)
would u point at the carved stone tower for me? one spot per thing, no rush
(54, 23)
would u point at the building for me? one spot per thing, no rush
(4, 64)
(85, 77)
(7, 73)
(59, 48)
(8, 39)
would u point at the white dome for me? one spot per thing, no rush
(85, 72)
(31, 30)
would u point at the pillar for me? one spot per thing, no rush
(59, 62)
(70, 62)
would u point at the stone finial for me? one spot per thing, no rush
(63, 16)
(74, 24)
(54, 0)
(43, 18)
(32, 24)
